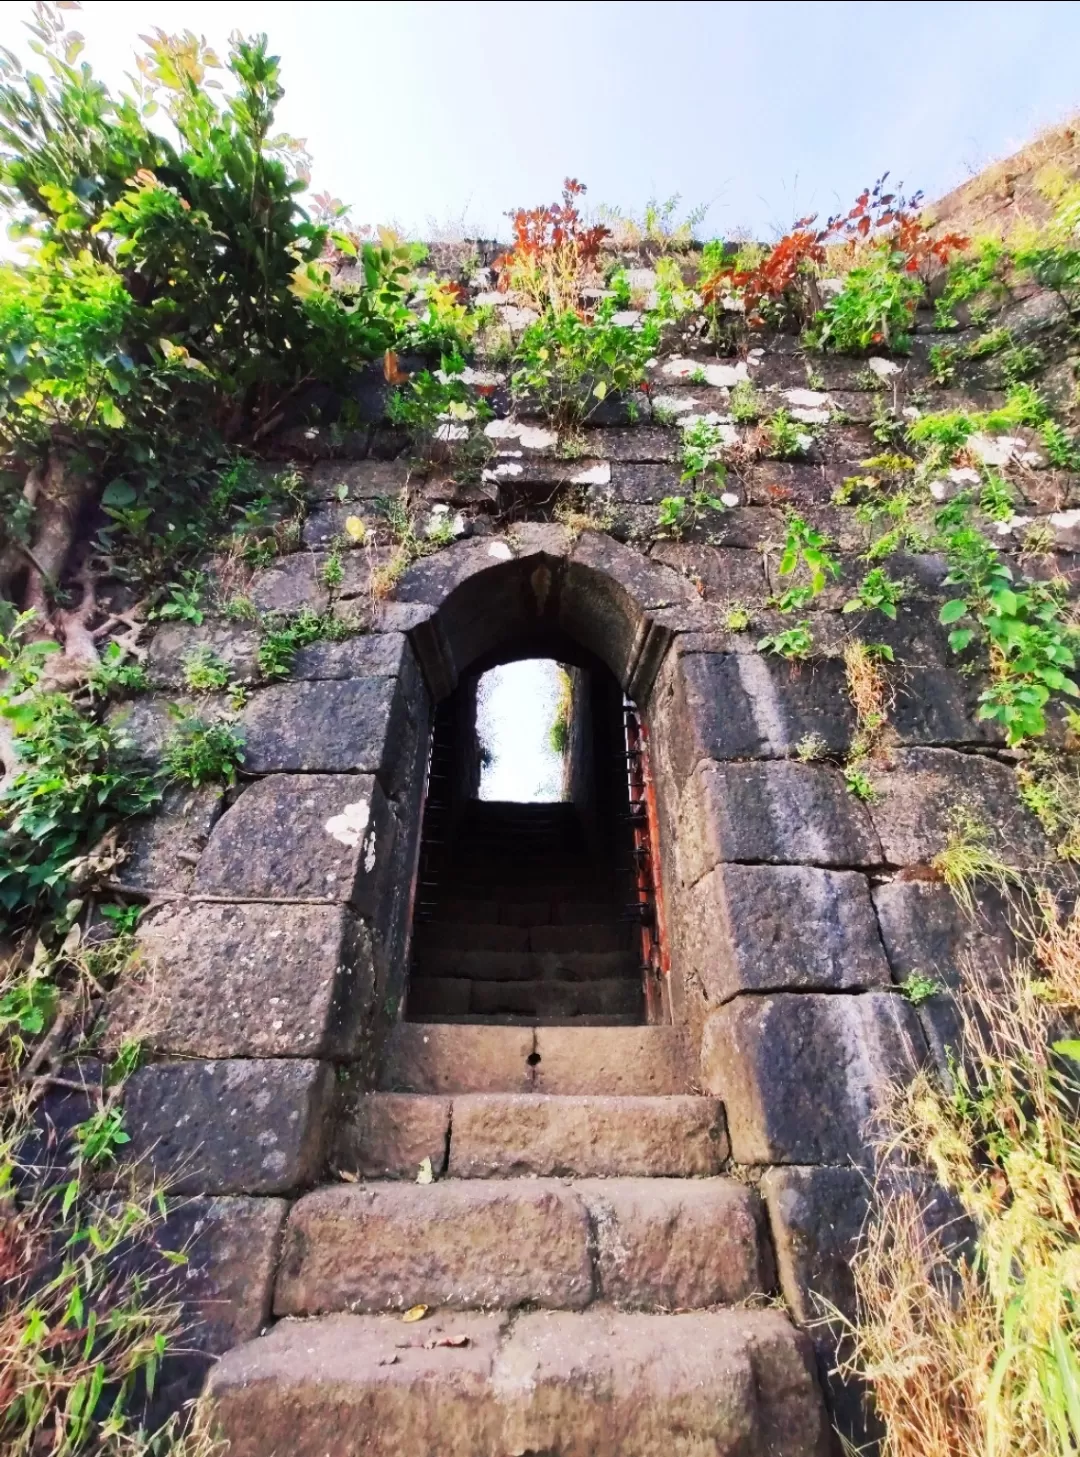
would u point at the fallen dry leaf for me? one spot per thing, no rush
(446, 1341)
(355, 528)
(415, 1312)
(349, 1178)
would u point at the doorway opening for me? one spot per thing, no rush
(537, 899)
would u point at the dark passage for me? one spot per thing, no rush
(525, 912)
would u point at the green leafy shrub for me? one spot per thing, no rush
(200, 752)
(873, 309)
(571, 365)
(783, 437)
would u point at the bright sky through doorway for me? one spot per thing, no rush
(515, 710)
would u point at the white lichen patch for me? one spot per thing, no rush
(348, 827)
(531, 437)
(811, 417)
(369, 853)
(674, 404)
(720, 376)
(883, 368)
(965, 475)
(593, 475)
(500, 551)
(729, 498)
(807, 400)
(993, 451)
(728, 433)
(938, 489)
(486, 377)
(626, 318)
(1065, 520)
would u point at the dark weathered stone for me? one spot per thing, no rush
(367, 655)
(358, 480)
(302, 836)
(248, 981)
(935, 706)
(725, 575)
(746, 706)
(288, 585)
(326, 525)
(780, 928)
(642, 484)
(227, 1283)
(926, 932)
(163, 848)
(465, 1243)
(323, 727)
(389, 1135)
(781, 812)
(674, 1244)
(642, 443)
(230, 1127)
(924, 789)
(816, 1216)
(801, 1074)
(236, 647)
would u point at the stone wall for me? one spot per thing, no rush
(276, 945)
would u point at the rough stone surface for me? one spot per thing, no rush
(360, 480)
(745, 706)
(432, 1058)
(725, 575)
(162, 850)
(926, 932)
(302, 836)
(323, 727)
(460, 1243)
(227, 1284)
(512, 1134)
(289, 585)
(625, 1060)
(236, 647)
(800, 1074)
(593, 1384)
(816, 1216)
(230, 1127)
(677, 1244)
(367, 655)
(248, 981)
(780, 928)
(389, 1135)
(924, 787)
(779, 813)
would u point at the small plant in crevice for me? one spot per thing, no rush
(783, 438)
(745, 405)
(869, 691)
(794, 643)
(738, 617)
(877, 592)
(811, 748)
(701, 456)
(571, 365)
(859, 783)
(1049, 784)
(201, 751)
(578, 510)
(918, 988)
(283, 634)
(204, 671)
(804, 555)
(559, 732)
(676, 515)
(970, 858)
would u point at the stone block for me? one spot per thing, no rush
(357, 480)
(926, 932)
(347, 727)
(366, 655)
(816, 1216)
(643, 484)
(625, 1060)
(461, 1243)
(221, 980)
(389, 1135)
(597, 1383)
(236, 647)
(505, 1134)
(746, 706)
(779, 928)
(677, 1244)
(802, 1074)
(640, 443)
(163, 848)
(300, 837)
(447, 1058)
(227, 1284)
(923, 789)
(724, 574)
(778, 813)
(231, 1126)
(289, 585)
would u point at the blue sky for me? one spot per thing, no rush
(418, 111)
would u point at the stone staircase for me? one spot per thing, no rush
(525, 925)
(595, 1286)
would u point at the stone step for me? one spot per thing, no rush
(506, 1135)
(431, 1058)
(561, 911)
(460, 996)
(599, 1383)
(471, 1244)
(492, 964)
(509, 1019)
(493, 935)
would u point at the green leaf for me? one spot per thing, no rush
(1068, 1047)
(952, 611)
(118, 493)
